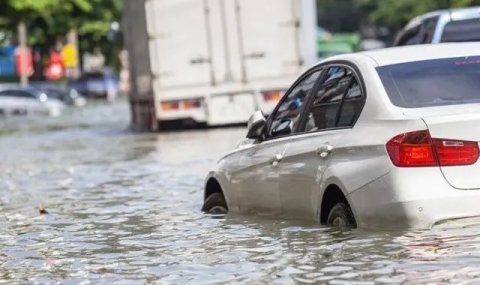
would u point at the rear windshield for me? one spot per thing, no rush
(462, 31)
(431, 83)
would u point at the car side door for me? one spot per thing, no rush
(21, 104)
(259, 179)
(32, 104)
(332, 111)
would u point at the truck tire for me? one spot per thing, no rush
(341, 216)
(215, 204)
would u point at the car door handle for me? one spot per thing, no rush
(276, 159)
(199, 60)
(324, 150)
(254, 55)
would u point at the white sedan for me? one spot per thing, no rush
(16, 100)
(385, 138)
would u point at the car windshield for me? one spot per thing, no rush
(429, 83)
(462, 31)
(92, 76)
(54, 93)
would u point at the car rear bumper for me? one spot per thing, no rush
(216, 110)
(198, 115)
(412, 198)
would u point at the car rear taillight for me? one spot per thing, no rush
(411, 149)
(274, 96)
(170, 105)
(176, 105)
(192, 104)
(415, 149)
(452, 152)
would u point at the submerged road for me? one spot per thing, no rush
(123, 208)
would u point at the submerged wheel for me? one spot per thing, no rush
(341, 216)
(215, 204)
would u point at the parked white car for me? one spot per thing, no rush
(16, 100)
(452, 25)
(385, 138)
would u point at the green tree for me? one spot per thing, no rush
(339, 15)
(46, 20)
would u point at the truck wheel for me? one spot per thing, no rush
(215, 204)
(341, 216)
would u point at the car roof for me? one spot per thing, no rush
(45, 86)
(419, 19)
(31, 89)
(13, 86)
(5, 86)
(465, 13)
(412, 53)
(453, 15)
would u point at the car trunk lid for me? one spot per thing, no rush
(461, 130)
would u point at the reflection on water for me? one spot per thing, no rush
(124, 207)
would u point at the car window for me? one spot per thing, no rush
(337, 103)
(410, 37)
(462, 31)
(7, 93)
(286, 117)
(437, 82)
(54, 93)
(428, 29)
(25, 94)
(17, 93)
(352, 105)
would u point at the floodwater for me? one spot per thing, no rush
(124, 208)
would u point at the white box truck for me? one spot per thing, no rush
(215, 62)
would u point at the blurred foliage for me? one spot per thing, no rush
(339, 15)
(48, 20)
(349, 15)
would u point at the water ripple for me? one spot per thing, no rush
(124, 209)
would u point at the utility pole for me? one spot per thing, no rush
(22, 45)
(142, 100)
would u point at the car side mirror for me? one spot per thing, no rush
(283, 128)
(256, 124)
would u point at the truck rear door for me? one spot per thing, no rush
(179, 45)
(269, 38)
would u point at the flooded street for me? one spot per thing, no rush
(124, 208)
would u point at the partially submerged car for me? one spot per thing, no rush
(17, 100)
(100, 84)
(384, 138)
(69, 96)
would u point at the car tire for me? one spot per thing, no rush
(215, 204)
(341, 216)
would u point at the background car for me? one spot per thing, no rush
(68, 96)
(17, 100)
(99, 84)
(454, 25)
(385, 138)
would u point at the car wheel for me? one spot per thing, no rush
(341, 216)
(215, 204)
